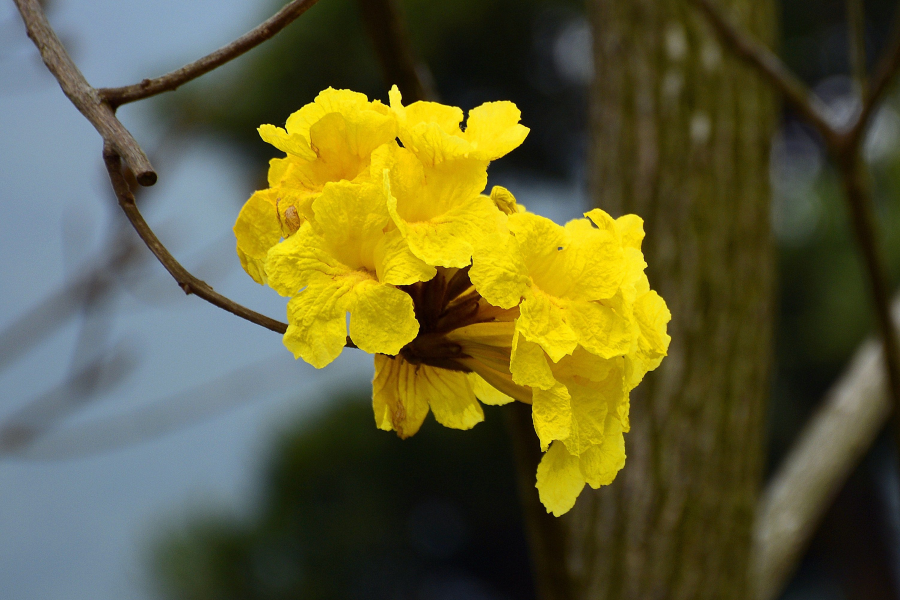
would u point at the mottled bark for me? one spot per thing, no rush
(680, 135)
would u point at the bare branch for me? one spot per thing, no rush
(187, 282)
(851, 416)
(385, 26)
(175, 79)
(770, 66)
(44, 318)
(856, 26)
(83, 96)
(884, 74)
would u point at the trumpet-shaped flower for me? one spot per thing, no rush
(344, 262)
(328, 140)
(464, 298)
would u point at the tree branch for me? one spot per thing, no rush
(83, 96)
(856, 34)
(772, 69)
(187, 282)
(884, 74)
(388, 33)
(118, 96)
(849, 419)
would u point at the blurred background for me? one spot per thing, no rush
(154, 446)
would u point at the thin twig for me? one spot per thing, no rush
(884, 74)
(856, 34)
(832, 443)
(41, 320)
(85, 98)
(385, 26)
(171, 81)
(854, 178)
(770, 66)
(186, 281)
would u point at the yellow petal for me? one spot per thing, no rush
(652, 316)
(257, 229)
(382, 318)
(551, 412)
(631, 229)
(291, 144)
(397, 400)
(351, 218)
(493, 130)
(487, 393)
(595, 261)
(589, 409)
(600, 464)
(317, 327)
(291, 264)
(498, 271)
(449, 239)
(396, 264)
(450, 397)
(559, 480)
(528, 364)
(600, 329)
(541, 321)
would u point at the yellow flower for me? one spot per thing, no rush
(340, 262)
(462, 297)
(328, 140)
(436, 179)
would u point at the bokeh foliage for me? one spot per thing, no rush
(348, 511)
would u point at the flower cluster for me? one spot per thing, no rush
(378, 211)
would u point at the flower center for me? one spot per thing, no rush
(446, 302)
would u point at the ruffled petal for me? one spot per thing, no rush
(528, 364)
(291, 144)
(498, 271)
(600, 464)
(551, 412)
(542, 322)
(257, 229)
(559, 480)
(382, 318)
(396, 264)
(397, 398)
(600, 329)
(589, 409)
(450, 239)
(631, 230)
(450, 397)
(317, 327)
(493, 130)
(291, 264)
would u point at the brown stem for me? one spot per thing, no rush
(772, 69)
(859, 198)
(85, 98)
(386, 29)
(856, 25)
(884, 74)
(186, 281)
(172, 81)
(546, 536)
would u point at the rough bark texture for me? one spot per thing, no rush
(681, 134)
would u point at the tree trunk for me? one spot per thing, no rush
(681, 134)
